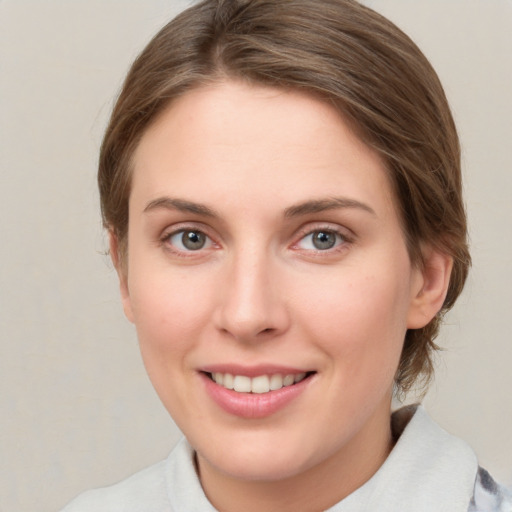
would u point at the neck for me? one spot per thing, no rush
(315, 489)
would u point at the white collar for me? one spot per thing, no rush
(428, 470)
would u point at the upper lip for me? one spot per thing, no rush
(253, 370)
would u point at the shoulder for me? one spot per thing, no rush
(169, 486)
(145, 490)
(490, 496)
(425, 445)
(442, 470)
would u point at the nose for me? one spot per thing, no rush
(251, 300)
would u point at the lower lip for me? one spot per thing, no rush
(253, 405)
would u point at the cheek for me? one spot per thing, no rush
(361, 321)
(169, 310)
(169, 316)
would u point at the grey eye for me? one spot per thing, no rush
(193, 240)
(189, 240)
(323, 239)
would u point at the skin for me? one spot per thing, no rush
(260, 292)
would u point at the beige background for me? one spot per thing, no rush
(77, 410)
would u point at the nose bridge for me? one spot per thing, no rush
(252, 305)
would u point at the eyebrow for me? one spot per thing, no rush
(300, 209)
(321, 205)
(169, 203)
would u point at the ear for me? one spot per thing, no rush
(429, 288)
(119, 263)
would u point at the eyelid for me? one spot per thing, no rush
(180, 244)
(346, 234)
(175, 229)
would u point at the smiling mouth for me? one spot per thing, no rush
(260, 384)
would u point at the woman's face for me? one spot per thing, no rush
(265, 252)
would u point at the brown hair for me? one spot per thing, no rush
(350, 56)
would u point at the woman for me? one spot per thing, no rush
(281, 185)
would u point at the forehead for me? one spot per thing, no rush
(238, 114)
(257, 142)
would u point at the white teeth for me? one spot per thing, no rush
(227, 381)
(260, 384)
(242, 384)
(276, 382)
(288, 380)
(299, 377)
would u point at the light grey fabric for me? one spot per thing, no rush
(428, 470)
(489, 495)
(145, 491)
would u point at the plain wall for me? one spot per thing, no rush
(77, 410)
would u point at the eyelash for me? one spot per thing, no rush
(181, 230)
(343, 239)
(341, 242)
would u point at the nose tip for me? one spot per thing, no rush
(249, 328)
(251, 307)
(247, 317)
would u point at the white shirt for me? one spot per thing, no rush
(428, 470)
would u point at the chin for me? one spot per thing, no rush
(270, 457)
(262, 469)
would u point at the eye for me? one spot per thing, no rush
(189, 240)
(321, 240)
